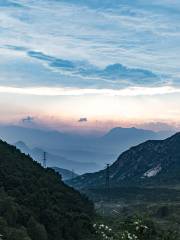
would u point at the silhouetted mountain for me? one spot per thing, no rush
(36, 204)
(37, 137)
(120, 139)
(55, 160)
(65, 174)
(119, 133)
(152, 163)
(23, 147)
(85, 153)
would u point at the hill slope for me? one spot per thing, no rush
(150, 163)
(55, 160)
(35, 204)
(65, 174)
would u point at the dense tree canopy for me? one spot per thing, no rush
(36, 205)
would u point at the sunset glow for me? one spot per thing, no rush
(118, 67)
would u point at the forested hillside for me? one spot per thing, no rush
(36, 205)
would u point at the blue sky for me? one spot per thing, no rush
(68, 53)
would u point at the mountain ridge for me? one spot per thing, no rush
(149, 163)
(81, 153)
(36, 204)
(65, 174)
(53, 160)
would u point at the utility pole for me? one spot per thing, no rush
(44, 160)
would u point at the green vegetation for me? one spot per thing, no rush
(148, 165)
(133, 228)
(36, 205)
(135, 194)
(163, 218)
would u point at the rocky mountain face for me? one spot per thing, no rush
(152, 163)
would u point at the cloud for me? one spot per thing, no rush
(16, 48)
(159, 126)
(114, 72)
(6, 3)
(134, 44)
(68, 73)
(52, 61)
(94, 49)
(126, 92)
(134, 76)
(81, 120)
(27, 119)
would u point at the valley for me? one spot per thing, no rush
(142, 184)
(89, 120)
(82, 153)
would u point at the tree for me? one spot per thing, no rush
(36, 230)
(18, 234)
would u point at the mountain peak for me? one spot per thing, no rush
(129, 132)
(20, 143)
(150, 163)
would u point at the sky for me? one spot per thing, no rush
(90, 64)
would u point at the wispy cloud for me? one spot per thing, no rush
(115, 72)
(137, 37)
(50, 91)
(112, 76)
(70, 53)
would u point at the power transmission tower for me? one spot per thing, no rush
(108, 182)
(44, 160)
(72, 176)
(107, 177)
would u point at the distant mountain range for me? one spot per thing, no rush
(153, 163)
(57, 161)
(72, 151)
